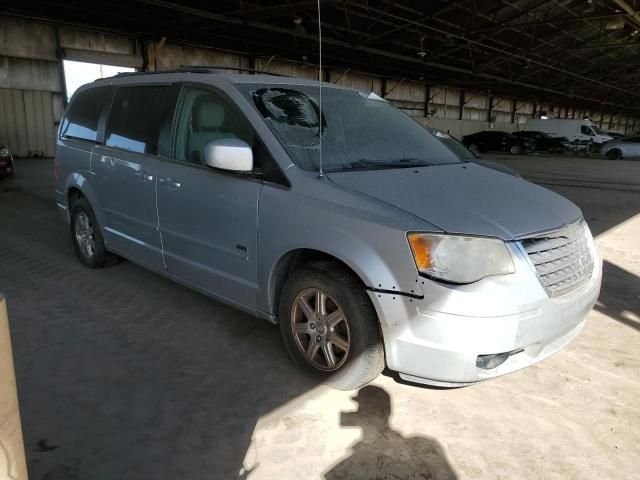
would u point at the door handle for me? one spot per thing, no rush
(108, 160)
(169, 182)
(144, 175)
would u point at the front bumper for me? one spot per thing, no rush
(437, 339)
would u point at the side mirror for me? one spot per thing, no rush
(229, 154)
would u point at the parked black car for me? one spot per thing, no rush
(544, 142)
(6, 162)
(464, 153)
(498, 142)
(615, 135)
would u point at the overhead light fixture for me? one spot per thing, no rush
(297, 25)
(422, 53)
(616, 23)
(590, 8)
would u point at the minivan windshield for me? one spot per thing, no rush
(359, 131)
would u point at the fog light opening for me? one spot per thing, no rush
(487, 362)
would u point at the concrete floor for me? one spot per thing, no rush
(125, 375)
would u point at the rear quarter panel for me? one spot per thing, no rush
(73, 170)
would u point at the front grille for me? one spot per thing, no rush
(563, 259)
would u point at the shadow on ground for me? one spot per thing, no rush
(123, 374)
(619, 287)
(384, 453)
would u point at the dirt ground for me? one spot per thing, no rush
(125, 375)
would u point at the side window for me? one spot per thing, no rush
(137, 114)
(204, 116)
(83, 116)
(586, 130)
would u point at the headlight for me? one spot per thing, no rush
(5, 152)
(460, 259)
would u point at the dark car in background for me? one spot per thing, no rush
(457, 147)
(615, 135)
(544, 142)
(6, 161)
(496, 141)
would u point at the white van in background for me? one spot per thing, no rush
(576, 131)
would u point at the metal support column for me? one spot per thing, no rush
(427, 99)
(61, 75)
(490, 110)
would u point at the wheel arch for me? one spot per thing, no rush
(294, 260)
(77, 186)
(618, 153)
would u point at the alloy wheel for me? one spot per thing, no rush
(84, 235)
(320, 329)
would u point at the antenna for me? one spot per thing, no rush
(320, 171)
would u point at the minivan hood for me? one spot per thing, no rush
(465, 198)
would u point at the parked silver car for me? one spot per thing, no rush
(398, 252)
(628, 147)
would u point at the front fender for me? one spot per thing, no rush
(375, 249)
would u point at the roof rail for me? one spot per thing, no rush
(236, 69)
(159, 72)
(198, 69)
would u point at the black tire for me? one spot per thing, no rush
(515, 150)
(364, 359)
(100, 256)
(474, 149)
(614, 154)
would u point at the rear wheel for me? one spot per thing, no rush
(515, 150)
(87, 237)
(474, 149)
(330, 327)
(614, 154)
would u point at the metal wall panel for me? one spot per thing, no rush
(24, 39)
(25, 74)
(309, 72)
(103, 58)
(364, 83)
(173, 56)
(97, 42)
(26, 122)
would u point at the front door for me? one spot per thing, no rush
(208, 218)
(125, 173)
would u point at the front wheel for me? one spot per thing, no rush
(614, 154)
(515, 150)
(329, 326)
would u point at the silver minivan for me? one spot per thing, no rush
(368, 240)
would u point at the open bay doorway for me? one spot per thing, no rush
(77, 74)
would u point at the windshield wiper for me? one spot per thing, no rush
(364, 164)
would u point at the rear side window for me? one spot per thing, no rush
(83, 116)
(137, 113)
